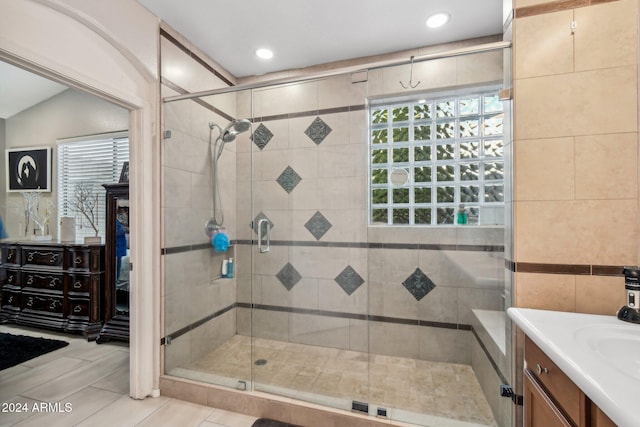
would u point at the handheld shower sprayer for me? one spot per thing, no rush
(226, 135)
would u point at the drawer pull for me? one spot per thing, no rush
(77, 309)
(77, 285)
(540, 370)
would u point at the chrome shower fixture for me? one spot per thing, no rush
(228, 134)
(235, 127)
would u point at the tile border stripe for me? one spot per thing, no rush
(373, 318)
(185, 49)
(325, 313)
(310, 113)
(168, 83)
(352, 245)
(572, 269)
(555, 6)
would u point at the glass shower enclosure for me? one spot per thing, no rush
(366, 228)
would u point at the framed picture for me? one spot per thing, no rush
(124, 174)
(28, 169)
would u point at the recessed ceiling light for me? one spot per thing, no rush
(437, 20)
(264, 53)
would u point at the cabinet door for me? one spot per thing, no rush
(539, 409)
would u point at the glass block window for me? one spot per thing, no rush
(431, 159)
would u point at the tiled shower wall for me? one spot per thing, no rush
(197, 314)
(327, 269)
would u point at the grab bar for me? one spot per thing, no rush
(267, 248)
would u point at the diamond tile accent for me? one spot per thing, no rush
(318, 130)
(288, 276)
(254, 224)
(418, 284)
(349, 280)
(261, 136)
(288, 179)
(318, 225)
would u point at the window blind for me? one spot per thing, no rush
(92, 160)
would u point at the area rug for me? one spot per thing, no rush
(15, 349)
(265, 422)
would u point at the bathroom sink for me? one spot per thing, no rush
(600, 354)
(616, 345)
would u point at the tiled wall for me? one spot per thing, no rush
(304, 167)
(197, 313)
(329, 279)
(576, 153)
(327, 269)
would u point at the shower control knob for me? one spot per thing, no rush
(540, 370)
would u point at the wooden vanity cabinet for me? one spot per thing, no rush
(552, 399)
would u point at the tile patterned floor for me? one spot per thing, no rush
(94, 380)
(440, 389)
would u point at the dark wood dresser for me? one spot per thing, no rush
(52, 285)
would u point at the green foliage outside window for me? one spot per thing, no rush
(453, 149)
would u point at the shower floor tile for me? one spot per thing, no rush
(438, 389)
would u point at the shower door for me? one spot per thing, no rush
(308, 241)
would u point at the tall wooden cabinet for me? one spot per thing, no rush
(117, 283)
(52, 285)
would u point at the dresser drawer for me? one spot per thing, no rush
(41, 280)
(78, 307)
(80, 283)
(11, 255)
(12, 277)
(49, 304)
(566, 394)
(11, 298)
(42, 256)
(84, 258)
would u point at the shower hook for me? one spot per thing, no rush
(411, 85)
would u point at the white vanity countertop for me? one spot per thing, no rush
(597, 352)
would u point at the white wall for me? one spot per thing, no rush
(2, 184)
(69, 114)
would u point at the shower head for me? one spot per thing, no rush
(234, 128)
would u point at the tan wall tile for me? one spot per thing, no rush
(285, 99)
(339, 91)
(599, 294)
(543, 45)
(431, 75)
(544, 169)
(607, 166)
(479, 68)
(545, 291)
(525, 3)
(181, 69)
(607, 35)
(586, 103)
(603, 232)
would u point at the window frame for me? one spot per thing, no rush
(118, 144)
(387, 154)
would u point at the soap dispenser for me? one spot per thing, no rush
(631, 311)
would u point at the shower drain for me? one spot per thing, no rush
(261, 362)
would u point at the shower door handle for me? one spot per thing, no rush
(267, 247)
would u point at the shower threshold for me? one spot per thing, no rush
(415, 391)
